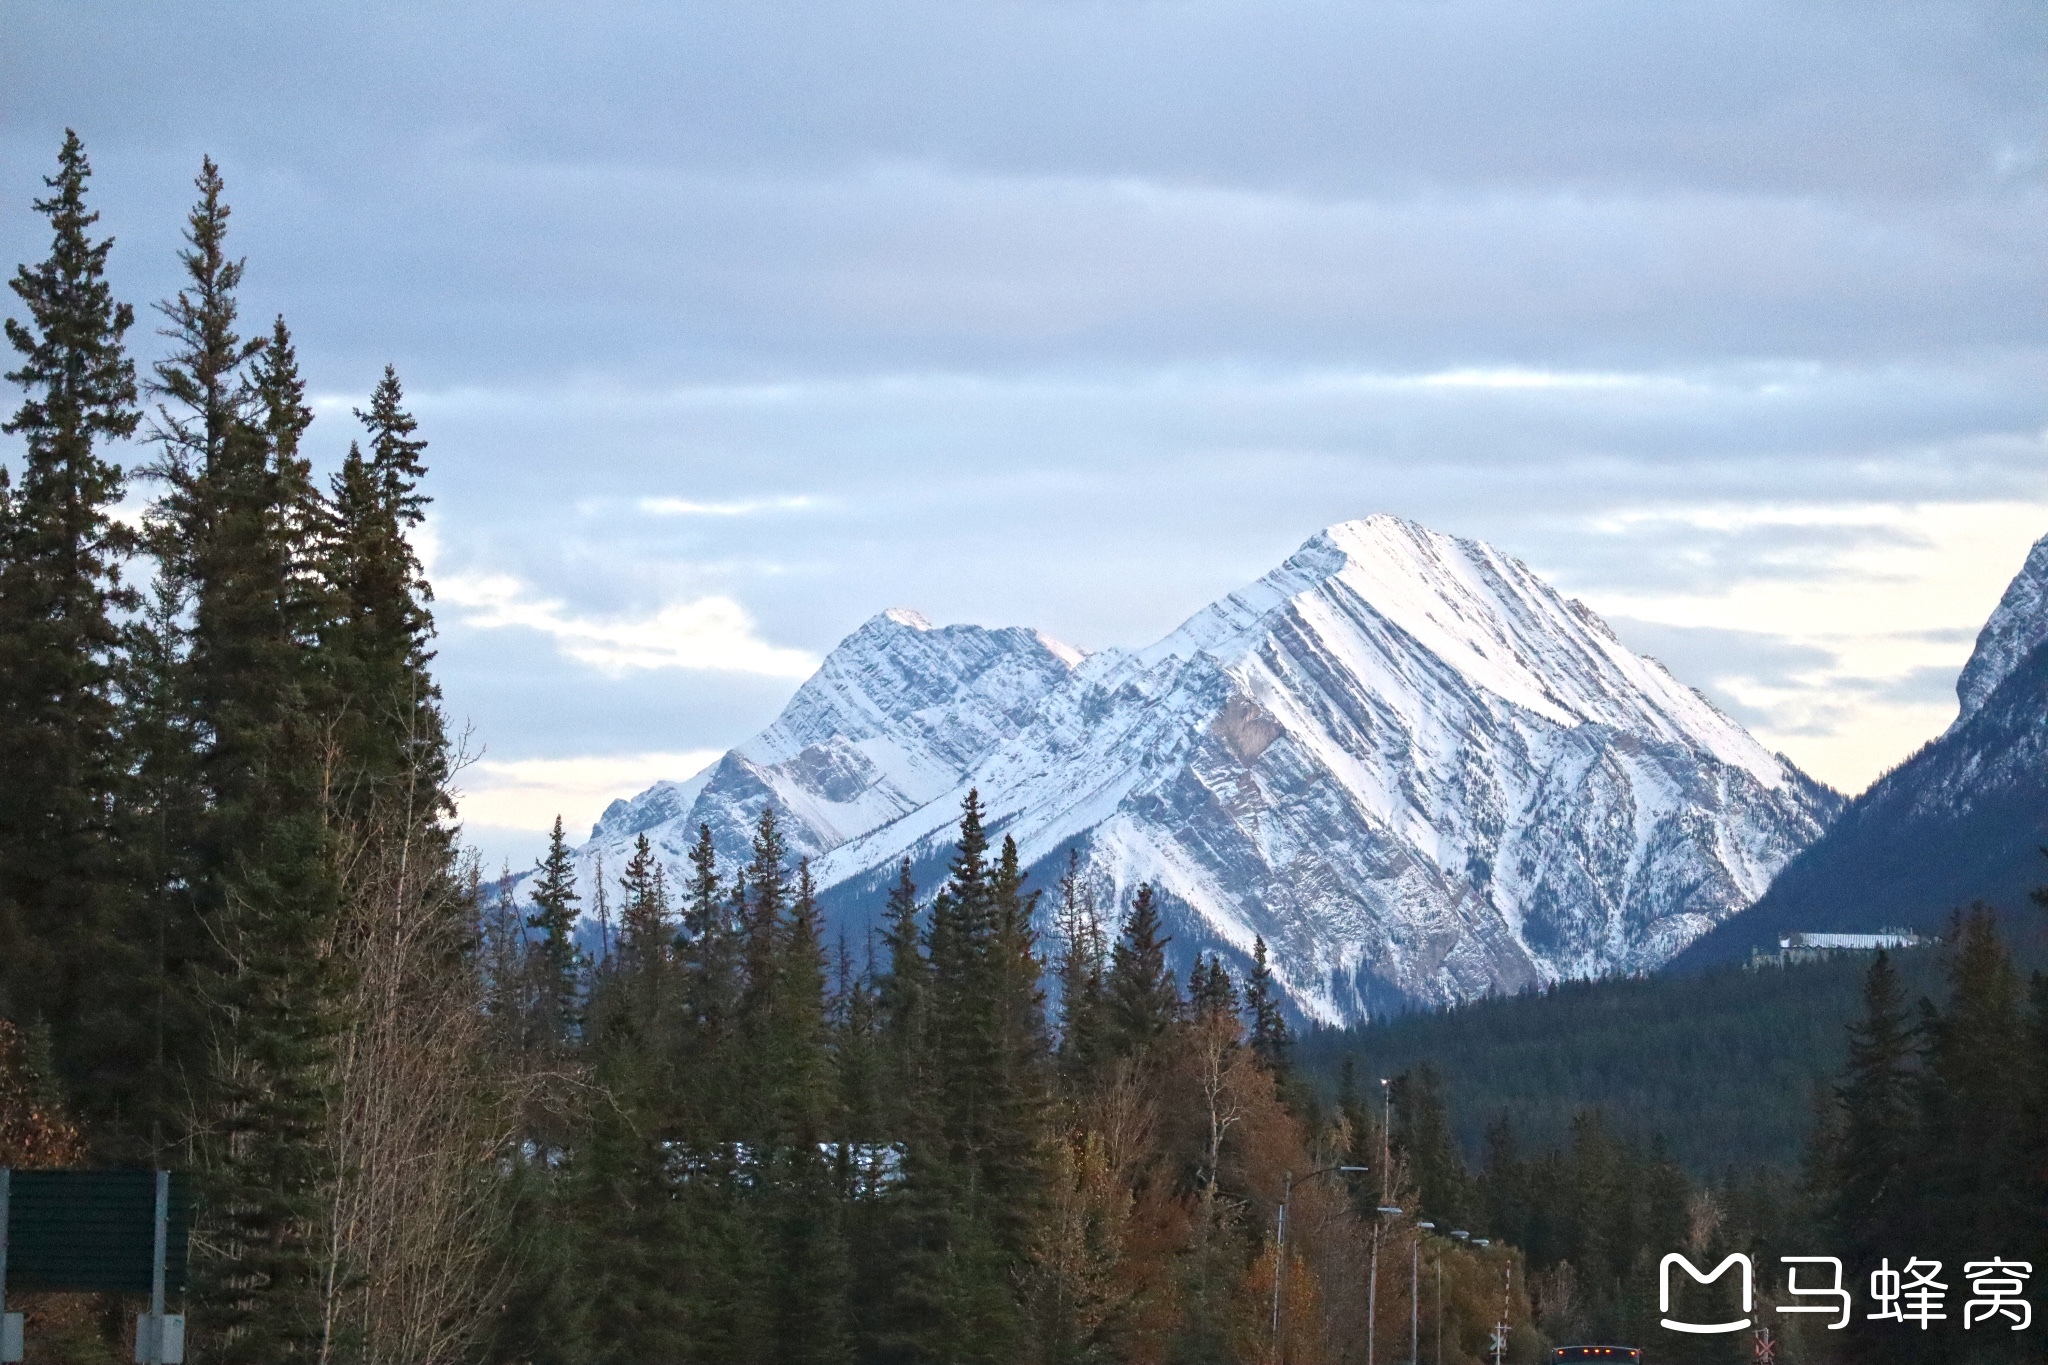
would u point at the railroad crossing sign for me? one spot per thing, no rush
(1766, 1349)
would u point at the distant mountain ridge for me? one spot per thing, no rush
(1401, 758)
(1961, 820)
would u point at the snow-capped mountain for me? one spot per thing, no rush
(1401, 758)
(1962, 820)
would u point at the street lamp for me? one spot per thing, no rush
(1280, 1238)
(1372, 1283)
(1415, 1301)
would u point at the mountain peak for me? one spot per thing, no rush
(903, 616)
(2019, 624)
(1401, 758)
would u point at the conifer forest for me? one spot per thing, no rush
(426, 1121)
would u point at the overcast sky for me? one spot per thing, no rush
(733, 324)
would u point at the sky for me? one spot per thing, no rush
(733, 325)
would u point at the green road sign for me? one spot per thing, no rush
(92, 1231)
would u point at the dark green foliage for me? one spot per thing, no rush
(1872, 1139)
(1722, 1066)
(1081, 971)
(68, 953)
(375, 644)
(1935, 1152)
(808, 1274)
(1143, 1000)
(1422, 1135)
(1271, 1038)
(230, 532)
(554, 962)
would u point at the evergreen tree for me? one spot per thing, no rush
(1270, 1035)
(953, 1296)
(263, 879)
(766, 891)
(1973, 1101)
(708, 946)
(1080, 971)
(1211, 992)
(1143, 1000)
(904, 998)
(377, 640)
(808, 1283)
(645, 938)
(67, 950)
(556, 961)
(1422, 1134)
(1876, 1133)
(1019, 1089)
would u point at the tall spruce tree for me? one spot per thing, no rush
(1080, 971)
(1270, 1035)
(807, 1285)
(377, 642)
(1973, 1101)
(1422, 1134)
(1144, 1002)
(555, 961)
(227, 532)
(68, 955)
(1875, 1136)
(953, 1292)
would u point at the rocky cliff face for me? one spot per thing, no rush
(1400, 758)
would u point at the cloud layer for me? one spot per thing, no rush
(733, 324)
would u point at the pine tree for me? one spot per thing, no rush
(67, 949)
(953, 1294)
(1422, 1134)
(808, 1281)
(1080, 971)
(903, 999)
(1972, 1142)
(1270, 1035)
(1211, 992)
(377, 643)
(645, 937)
(1143, 1000)
(556, 961)
(709, 951)
(1876, 1134)
(1020, 1085)
(226, 533)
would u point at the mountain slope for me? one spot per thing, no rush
(1962, 820)
(1401, 758)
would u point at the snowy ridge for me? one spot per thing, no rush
(2016, 627)
(1401, 758)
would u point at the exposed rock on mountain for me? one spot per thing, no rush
(1401, 758)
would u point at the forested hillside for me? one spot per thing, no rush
(1721, 1067)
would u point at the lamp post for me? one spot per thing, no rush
(1280, 1240)
(1372, 1284)
(1415, 1299)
